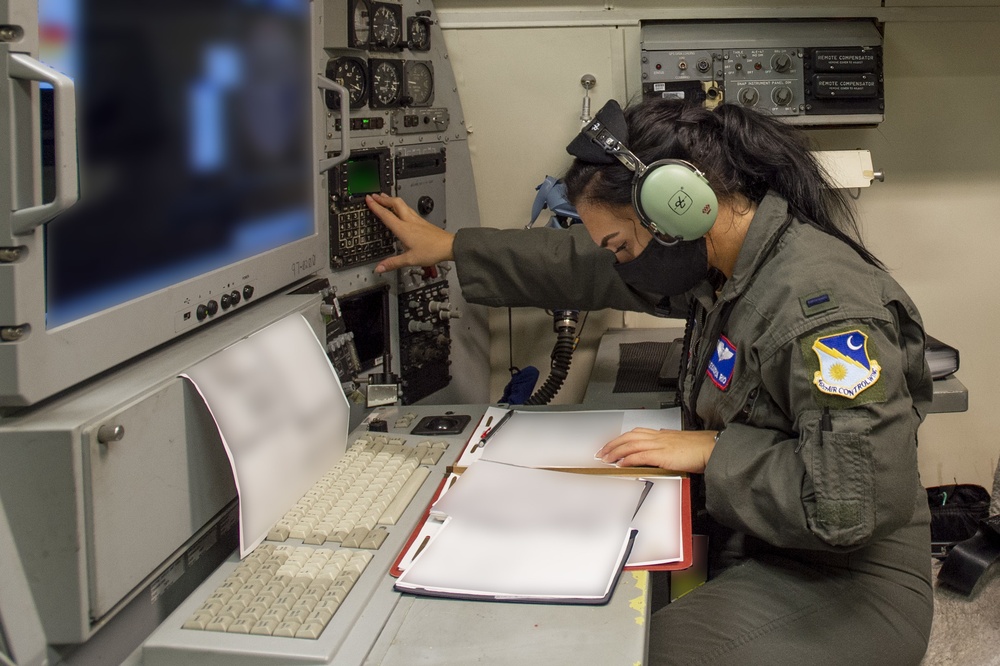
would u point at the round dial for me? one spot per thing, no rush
(419, 83)
(360, 23)
(420, 34)
(386, 84)
(385, 27)
(352, 74)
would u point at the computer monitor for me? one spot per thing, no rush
(195, 126)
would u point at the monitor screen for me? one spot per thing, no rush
(363, 176)
(194, 137)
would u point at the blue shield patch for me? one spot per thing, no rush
(845, 368)
(720, 368)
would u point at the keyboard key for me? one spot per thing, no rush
(404, 496)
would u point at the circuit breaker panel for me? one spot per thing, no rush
(407, 138)
(806, 72)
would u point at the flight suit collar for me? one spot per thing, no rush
(769, 222)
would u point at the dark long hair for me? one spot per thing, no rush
(743, 154)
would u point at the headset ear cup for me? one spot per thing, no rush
(675, 200)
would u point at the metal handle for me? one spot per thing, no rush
(23, 66)
(108, 433)
(345, 120)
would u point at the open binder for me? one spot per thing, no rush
(512, 533)
(659, 532)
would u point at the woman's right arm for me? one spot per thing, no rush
(547, 268)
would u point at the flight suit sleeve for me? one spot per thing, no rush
(847, 473)
(546, 268)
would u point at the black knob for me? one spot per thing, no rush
(247, 292)
(782, 63)
(225, 301)
(213, 307)
(782, 96)
(748, 96)
(201, 312)
(235, 297)
(425, 205)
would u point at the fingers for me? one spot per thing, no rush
(391, 264)
(627, 443)
(424, 243)
(683, 451)
(385, 208)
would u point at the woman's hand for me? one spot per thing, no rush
(678, 450)
(423, 243)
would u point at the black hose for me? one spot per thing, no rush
(562, 356)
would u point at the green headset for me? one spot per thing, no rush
(672, 197)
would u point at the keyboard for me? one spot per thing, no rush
(317, 589)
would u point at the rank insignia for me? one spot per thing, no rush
(845, 368)
(720, 368)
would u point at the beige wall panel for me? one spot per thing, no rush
(936, 219)
(522, 99)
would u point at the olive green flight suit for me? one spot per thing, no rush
(818, 522)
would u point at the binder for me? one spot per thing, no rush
(663, 522)
(510, 533)
(942, 358)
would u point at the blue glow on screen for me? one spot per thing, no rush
(194, 137)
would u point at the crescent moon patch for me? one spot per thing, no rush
(845, 368)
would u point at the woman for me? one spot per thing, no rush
(803, 384)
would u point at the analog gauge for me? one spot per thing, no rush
(419, 83)
(386, 26)
(418, 33)
(352, 73)
(387, 83)
(360, 23)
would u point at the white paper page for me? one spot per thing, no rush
(514, 531)
(561, 439)
(656, 419)
(511, 497)
(467, 558)
(282, 415)
(553, 439)
(659, 524)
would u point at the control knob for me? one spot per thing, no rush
(782, 96)
(781, 63)
(748, 96)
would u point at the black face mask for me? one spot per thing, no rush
(667, 270)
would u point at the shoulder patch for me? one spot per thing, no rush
(843, 365)
(720, 368)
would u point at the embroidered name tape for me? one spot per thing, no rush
(845, 368)
(720, 368)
